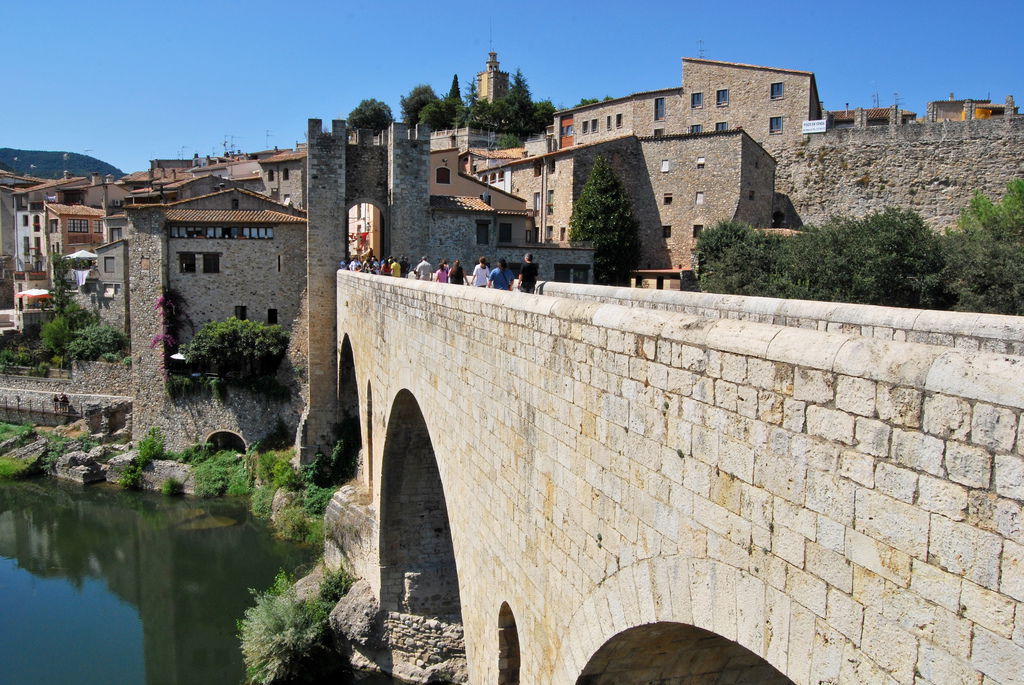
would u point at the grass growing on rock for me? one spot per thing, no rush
(13, 469)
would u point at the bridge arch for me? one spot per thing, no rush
(418, 570)
(348, 388)
(508, 647)
(368, 452)
(226, 440)
(667, 652)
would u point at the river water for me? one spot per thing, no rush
(100, 585)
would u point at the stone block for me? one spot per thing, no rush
(858, 467)
(793, 415)
(965, 550)
(845, 615)
(993, 427)
(1009, 476)
(889, 646)
(917, 451)
(830, 424)
(895, 481)
(939, 496)
(898, 406)
(811, 385)
(872, 437)
(947, 417)
(942, 668)
(892, 522)
(936, 585)
(879, 558)
(988, 609)
(997, 657)
(968, 465)
(833, 568)
(1012, 577)
(855, 395)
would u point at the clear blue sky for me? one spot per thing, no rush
(127, 82)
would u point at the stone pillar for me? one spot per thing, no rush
(894, 115)
(1011, 107)
(968, 109)
(860, 118)
(326, 245)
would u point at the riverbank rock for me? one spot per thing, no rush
(415, 649)
(155, 474)
(79, 467)
(282, 498)
(31, 453)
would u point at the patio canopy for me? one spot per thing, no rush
(34, 292)
(81, 254)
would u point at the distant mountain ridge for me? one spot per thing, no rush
(44, 164)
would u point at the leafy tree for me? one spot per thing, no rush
(543, 114)
(370, 114)
(734, 258)
(418, 98)
(238, 347)
(518, 114)
(508, 140)
(57, 334)
(440, 115)
(985, 257)
(603, 215)
(92, 342)
(586, 101)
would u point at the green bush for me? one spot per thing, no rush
(315, 500)
(215, 474)
(11, 469)
(292, 523)
(262, 500)
(172, 486)
(96, 341)
(151, 447)
(236, 347)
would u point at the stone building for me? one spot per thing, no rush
(678, 185)
(70, 228)
(649, 113)
(105, 290)
(492, 83)
(283, 177)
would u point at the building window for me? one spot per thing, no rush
(271, 316)
(561, 234)
(108, 265)
(78, 225)
(537, 167)
(551, 166)
(778, 90)
(529, 236)
(722, 97)
(699, 198)
(54, 225)
(483, 232)
(536, 202)
(551, 202)
(659, 109)
(700, 162)
(618, 121)
(26, 246)
(240, 312)
(666, 231)
(722, 126)
(550, 233)
(35, 222)
(443, 175)
(696, 100)
(270, 174)
(658, 132)
(697, 228)
(586, 127)
(750, 195)
(115, 234)
(593, 125)
(186, 262)
(211, 263)
(504, 233)
(667, 199)
(608, 123)
(666, 166)
(775, 125)
(97, 226)
(284, 174)
(234, 203)
(24, 219)
(696, 128)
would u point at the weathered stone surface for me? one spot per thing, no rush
(159, 471)
(79, 467)
(32, 452)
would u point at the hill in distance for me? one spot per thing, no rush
(44, 164)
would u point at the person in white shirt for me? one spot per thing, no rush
(480, 274)
(424, 270)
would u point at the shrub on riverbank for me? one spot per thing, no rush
(286, 638)
(150, 447)
(13, 469)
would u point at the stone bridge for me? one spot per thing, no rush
(604, 488)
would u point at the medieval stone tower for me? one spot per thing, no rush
(391, 172)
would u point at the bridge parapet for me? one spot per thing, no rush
(843, 507)
(962, 330)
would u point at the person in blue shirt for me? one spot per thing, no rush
(500, 277)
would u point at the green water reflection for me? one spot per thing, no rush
(102, 585)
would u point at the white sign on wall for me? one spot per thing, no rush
(815, 126)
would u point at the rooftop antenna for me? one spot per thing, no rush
(896, 99)
(700, 49)
(266, 141)
(490, 36)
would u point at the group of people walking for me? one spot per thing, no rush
(501, 277)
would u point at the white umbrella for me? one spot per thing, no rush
(82, 254)
(178, 355)
(34, 292)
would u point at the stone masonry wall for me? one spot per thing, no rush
(963, 330)
(932, 168)
(848, 509)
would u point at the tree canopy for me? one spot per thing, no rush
(603, 215)
(237, 347)
(371, 114)
(413, 103)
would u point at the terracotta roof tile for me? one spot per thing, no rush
(871, 112)
(79, 210)
(747, 66)
(459, 203)
(234, 216)
(56, 182)
(621, 99)
(284, 157)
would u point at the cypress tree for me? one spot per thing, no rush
(453, 92)
(603, 215)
